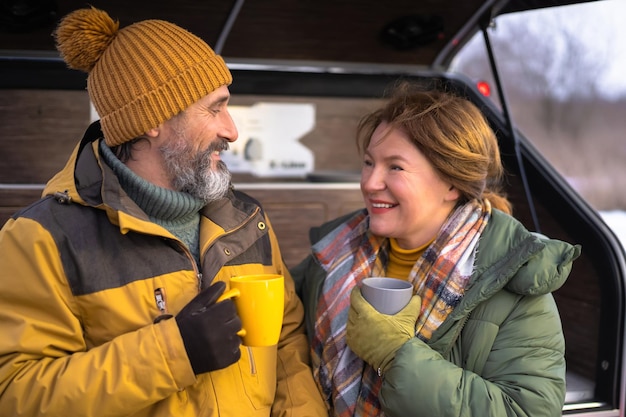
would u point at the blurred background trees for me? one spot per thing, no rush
(554, 69)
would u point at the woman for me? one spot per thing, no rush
(482, 335)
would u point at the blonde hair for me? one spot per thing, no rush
(452, 133)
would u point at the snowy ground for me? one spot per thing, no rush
(617, 222)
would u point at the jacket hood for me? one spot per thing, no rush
(524, 263)
(72, 181)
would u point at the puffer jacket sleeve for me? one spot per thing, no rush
(309, 279)
(45, 367)
(517, 369)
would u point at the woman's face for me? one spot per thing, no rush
(404, 195)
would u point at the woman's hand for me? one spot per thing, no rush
(375, 337)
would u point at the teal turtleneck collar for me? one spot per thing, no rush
(176, 211)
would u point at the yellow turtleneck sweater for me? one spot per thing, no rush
(401, 261)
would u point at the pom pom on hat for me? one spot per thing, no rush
(83, 36)
(139, 76)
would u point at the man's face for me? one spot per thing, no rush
(192, 154)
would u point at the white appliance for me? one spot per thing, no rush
(268, 144)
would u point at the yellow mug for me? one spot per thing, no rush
(260, 300)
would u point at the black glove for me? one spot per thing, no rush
(209, 330)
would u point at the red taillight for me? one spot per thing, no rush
(484, 88)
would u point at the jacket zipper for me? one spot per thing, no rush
(458, 332)
(193, 263)
(252, 362)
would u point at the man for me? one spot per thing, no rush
(109, 283)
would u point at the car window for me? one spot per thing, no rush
(563, 73)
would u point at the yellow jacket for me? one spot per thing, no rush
(79, 275)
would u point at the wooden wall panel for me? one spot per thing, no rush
(38, 130)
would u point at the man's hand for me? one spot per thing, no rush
(209, 330)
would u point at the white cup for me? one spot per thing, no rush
(387, 295)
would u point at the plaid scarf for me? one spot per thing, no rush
(351, 253)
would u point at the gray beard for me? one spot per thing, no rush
(194, 174)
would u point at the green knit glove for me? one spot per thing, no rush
(375, 337)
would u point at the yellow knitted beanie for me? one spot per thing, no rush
(141, 75)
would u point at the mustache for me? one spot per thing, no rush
(219, 145)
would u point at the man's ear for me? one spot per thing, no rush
(154, 132)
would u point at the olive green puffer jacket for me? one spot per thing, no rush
(500, 352)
